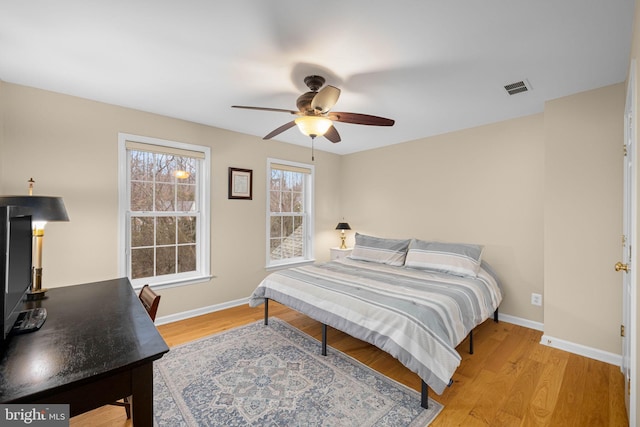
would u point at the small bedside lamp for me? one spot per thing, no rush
(343, 226)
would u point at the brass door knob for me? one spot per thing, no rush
(620, 266)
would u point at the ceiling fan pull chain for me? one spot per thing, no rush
(313, 159)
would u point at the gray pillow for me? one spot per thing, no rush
(454, 258)
(380, 250)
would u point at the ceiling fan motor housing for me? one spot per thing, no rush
(314, 82)
(304, 101)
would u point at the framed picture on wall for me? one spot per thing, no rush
(240, 183)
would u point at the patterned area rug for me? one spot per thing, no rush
(275, 376)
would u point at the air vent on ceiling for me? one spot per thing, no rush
(517, 87)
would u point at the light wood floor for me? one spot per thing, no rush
(510, 380)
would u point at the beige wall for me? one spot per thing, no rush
(584, 134)
(482, 185)
(69, 146)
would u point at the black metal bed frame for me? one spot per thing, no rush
(424, 395)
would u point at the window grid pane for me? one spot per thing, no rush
(165, 260)
(186, 258)
(142, 263)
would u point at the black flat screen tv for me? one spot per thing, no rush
(16, 240)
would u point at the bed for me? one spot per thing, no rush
(416, 300)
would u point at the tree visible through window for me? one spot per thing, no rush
(163, 226)
(290, 207)
(164, 213)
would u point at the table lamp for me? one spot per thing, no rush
(343, 226)
(43, 209)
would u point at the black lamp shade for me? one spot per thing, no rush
(43, 208)
(343, 226)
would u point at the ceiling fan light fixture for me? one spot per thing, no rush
(313, 125)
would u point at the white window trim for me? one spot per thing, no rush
(308, 257)
(204, 231)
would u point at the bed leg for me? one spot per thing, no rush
(495, 316)
(424, 397)
(266, 311)
(324, 339)
(471, 342)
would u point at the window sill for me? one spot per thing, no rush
(171, 283)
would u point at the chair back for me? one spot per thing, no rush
(150, 300)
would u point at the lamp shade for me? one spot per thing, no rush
(313, 125)
(43, 208)
(343, 226)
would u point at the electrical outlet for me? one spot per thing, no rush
(536, 299)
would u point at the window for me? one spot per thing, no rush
(289, 212)
(164, 211)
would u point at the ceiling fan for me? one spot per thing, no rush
(315, 117)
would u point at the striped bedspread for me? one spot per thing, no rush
(417, 316)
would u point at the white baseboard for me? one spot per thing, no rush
(200, 311)
(521, 322)
(579, 349)
(582, 350)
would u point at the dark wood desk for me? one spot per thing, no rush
(97, 346)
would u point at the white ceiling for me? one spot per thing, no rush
(434, 66)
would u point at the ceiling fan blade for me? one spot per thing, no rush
(281, 110)
(360, 119)
(332, 135)
(281, 129)
(325, 99)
